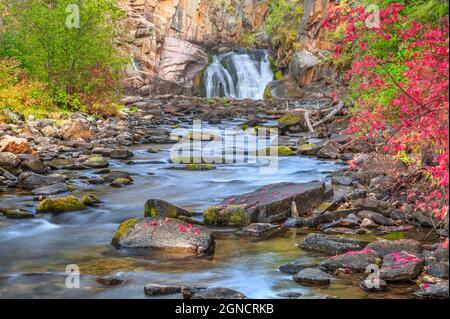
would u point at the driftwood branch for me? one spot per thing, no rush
(308, 122)
(330, 115)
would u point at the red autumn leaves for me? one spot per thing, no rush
(400, 69)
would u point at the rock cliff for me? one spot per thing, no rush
(166, 39)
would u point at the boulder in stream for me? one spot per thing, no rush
(61, 204)
(438, 290)
(161, 208)
(356, 261)
(267, 204)
(313, 276)
(331, 245)
(262, 230)
(165, 234)
(385, 247)
(400, 267)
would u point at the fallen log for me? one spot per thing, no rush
(330, 115)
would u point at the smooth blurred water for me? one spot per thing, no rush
(238, 75)
(34, 253)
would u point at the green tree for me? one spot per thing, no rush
(43, 35)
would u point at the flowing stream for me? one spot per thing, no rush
(34, 253)
(240, 75)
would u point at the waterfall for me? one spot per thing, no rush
(239, 75)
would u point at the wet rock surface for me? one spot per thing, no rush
(165, 234)
(330, 245)
(268, 204)
(313, 276)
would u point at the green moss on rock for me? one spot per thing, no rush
(279, 150)
(200, 167)
(121, 181)
(90, 200)
(292, 118)
(232, 215)
(123, 230)
(60, 205)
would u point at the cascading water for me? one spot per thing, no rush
(239, 75)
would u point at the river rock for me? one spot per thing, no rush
(384, 247)
(217, 293)
(294, 267)
(15, 145)
(375, 205)
(29, 180)
(90, 200)
(438, 290)
(60, 205)
(110, 280)
(330, 150)
(161, 290)
(358, 146)
(331, 245)
(113, 175)
(437, 262)
(368, 223)
(342, 222)
(373, 287)
(120, 154)
(309, 149)
(376, 217)
(267, 204)
(50, 131)
(121, 182)
(161, 208)
(9, 161)
(400, 267)
(33, 164)
(18, 214)
(356, 261)
(262, 230)
(96, 162)
(54, 189)
(313, 276)
(76, 130)
(160, 233)
(292, 121)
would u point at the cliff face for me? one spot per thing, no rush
(166, 39)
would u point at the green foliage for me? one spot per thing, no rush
(78, 65)
(249, 40)
(282, 27)
(21, 94)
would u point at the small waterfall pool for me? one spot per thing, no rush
(238, 74)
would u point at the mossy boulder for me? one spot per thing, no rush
(309, 149)
(96, 162)
(18, 214)
(279, 151)
(293, 121)
(160, 208)
(266, 205)
(60, 205)
(232, 215)
(121, 182)
(164, 234)
(200, 167)
(90, 200)
(123, 230)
